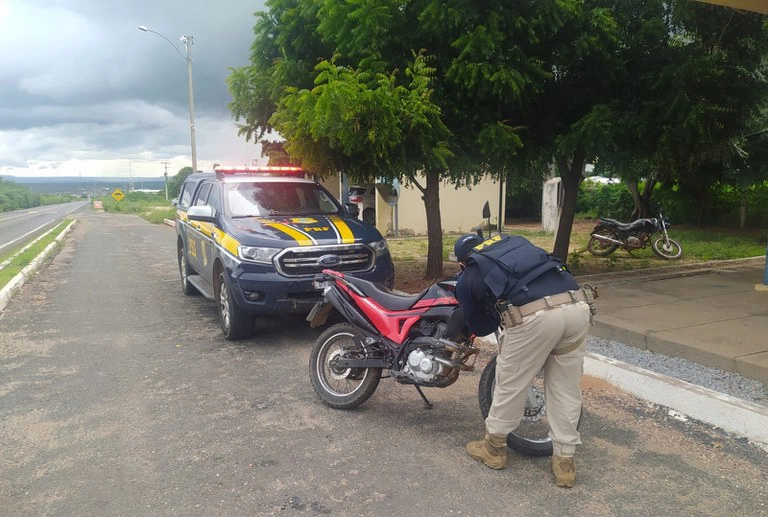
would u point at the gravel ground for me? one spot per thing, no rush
(712, 378)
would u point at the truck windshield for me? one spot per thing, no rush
(274, 198)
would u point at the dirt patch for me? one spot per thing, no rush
(409, 275)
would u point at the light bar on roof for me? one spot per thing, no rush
(283, 170)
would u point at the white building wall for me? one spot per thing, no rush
(460, 209)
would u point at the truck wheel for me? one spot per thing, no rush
(235, 323)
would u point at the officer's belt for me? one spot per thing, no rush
(513, 315)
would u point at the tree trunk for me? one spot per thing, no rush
(431, 197)
(642, 200)
(743, 209)
(703, 196)
(571, 176)
(638, 202)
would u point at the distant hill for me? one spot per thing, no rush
(91, 185)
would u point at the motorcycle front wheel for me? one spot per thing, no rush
(530, 437)
(667, 248)
(341, 388)
(601, 248)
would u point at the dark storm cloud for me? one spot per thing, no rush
(80, 81)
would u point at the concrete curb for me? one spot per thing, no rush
(16, 282)
(662, 273)
(728, 413)
(169, 222)
(649, 341)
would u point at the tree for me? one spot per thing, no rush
(363, 87)
(175, 182)
(662, 89)
(15, 197)
(695, 84)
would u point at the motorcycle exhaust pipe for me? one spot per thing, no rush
(607, 239)
(455, 364)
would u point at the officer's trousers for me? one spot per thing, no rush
(527, 348)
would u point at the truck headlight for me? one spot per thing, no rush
(257, 254)
(380, 247)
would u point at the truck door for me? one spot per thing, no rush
(198, 234)
(211, 232)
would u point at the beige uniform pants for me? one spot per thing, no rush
(524, 350)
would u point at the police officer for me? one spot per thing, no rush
(545, 318)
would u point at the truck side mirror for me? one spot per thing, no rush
(204, 213)
(352, 209)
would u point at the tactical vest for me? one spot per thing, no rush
(510, 263)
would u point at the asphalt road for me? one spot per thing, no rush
(118, 396)
(20, 226)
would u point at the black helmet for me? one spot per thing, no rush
(464, 245)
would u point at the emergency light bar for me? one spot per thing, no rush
(284, 170)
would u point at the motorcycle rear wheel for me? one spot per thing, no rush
(341, 388)
(669, 251)
(600, 248)
(530, 437)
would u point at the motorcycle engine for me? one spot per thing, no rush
(423, 366)
(633, 241)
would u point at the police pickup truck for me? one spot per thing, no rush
(252, 238)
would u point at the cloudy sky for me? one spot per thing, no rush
(83, 92)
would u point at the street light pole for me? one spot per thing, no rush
(187, 40)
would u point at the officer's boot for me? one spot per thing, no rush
(564, 470)
(491, 450)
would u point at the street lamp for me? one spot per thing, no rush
(187, 40)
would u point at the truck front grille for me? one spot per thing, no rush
(312, 260)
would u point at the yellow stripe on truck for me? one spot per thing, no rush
(347, 237)
(228, 243)
(301, 238)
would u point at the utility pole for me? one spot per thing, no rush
(165, 163)
(187, 40)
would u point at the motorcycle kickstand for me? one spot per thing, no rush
(427, 403)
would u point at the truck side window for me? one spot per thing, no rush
(214, 200)
(185, 197)
(202, 195)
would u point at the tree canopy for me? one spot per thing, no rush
(449, 91)
(16, 197)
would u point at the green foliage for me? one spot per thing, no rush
(663, 91)
(55, 199)
(724, 204)
(175, 182)
(16, 197)
(136, 203)
(598, 200)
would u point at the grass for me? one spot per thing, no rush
(150, 207)
(699, 245)
(19, 261)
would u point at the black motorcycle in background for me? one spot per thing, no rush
(609, 234)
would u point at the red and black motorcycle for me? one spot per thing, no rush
(419, 339)
(385, 330)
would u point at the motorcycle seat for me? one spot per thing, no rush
(634, 225)
(384, 296)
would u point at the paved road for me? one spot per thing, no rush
(118, 396)
(20, 226)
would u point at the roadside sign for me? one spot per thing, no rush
(118, 194)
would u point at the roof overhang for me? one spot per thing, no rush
(758, 6)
